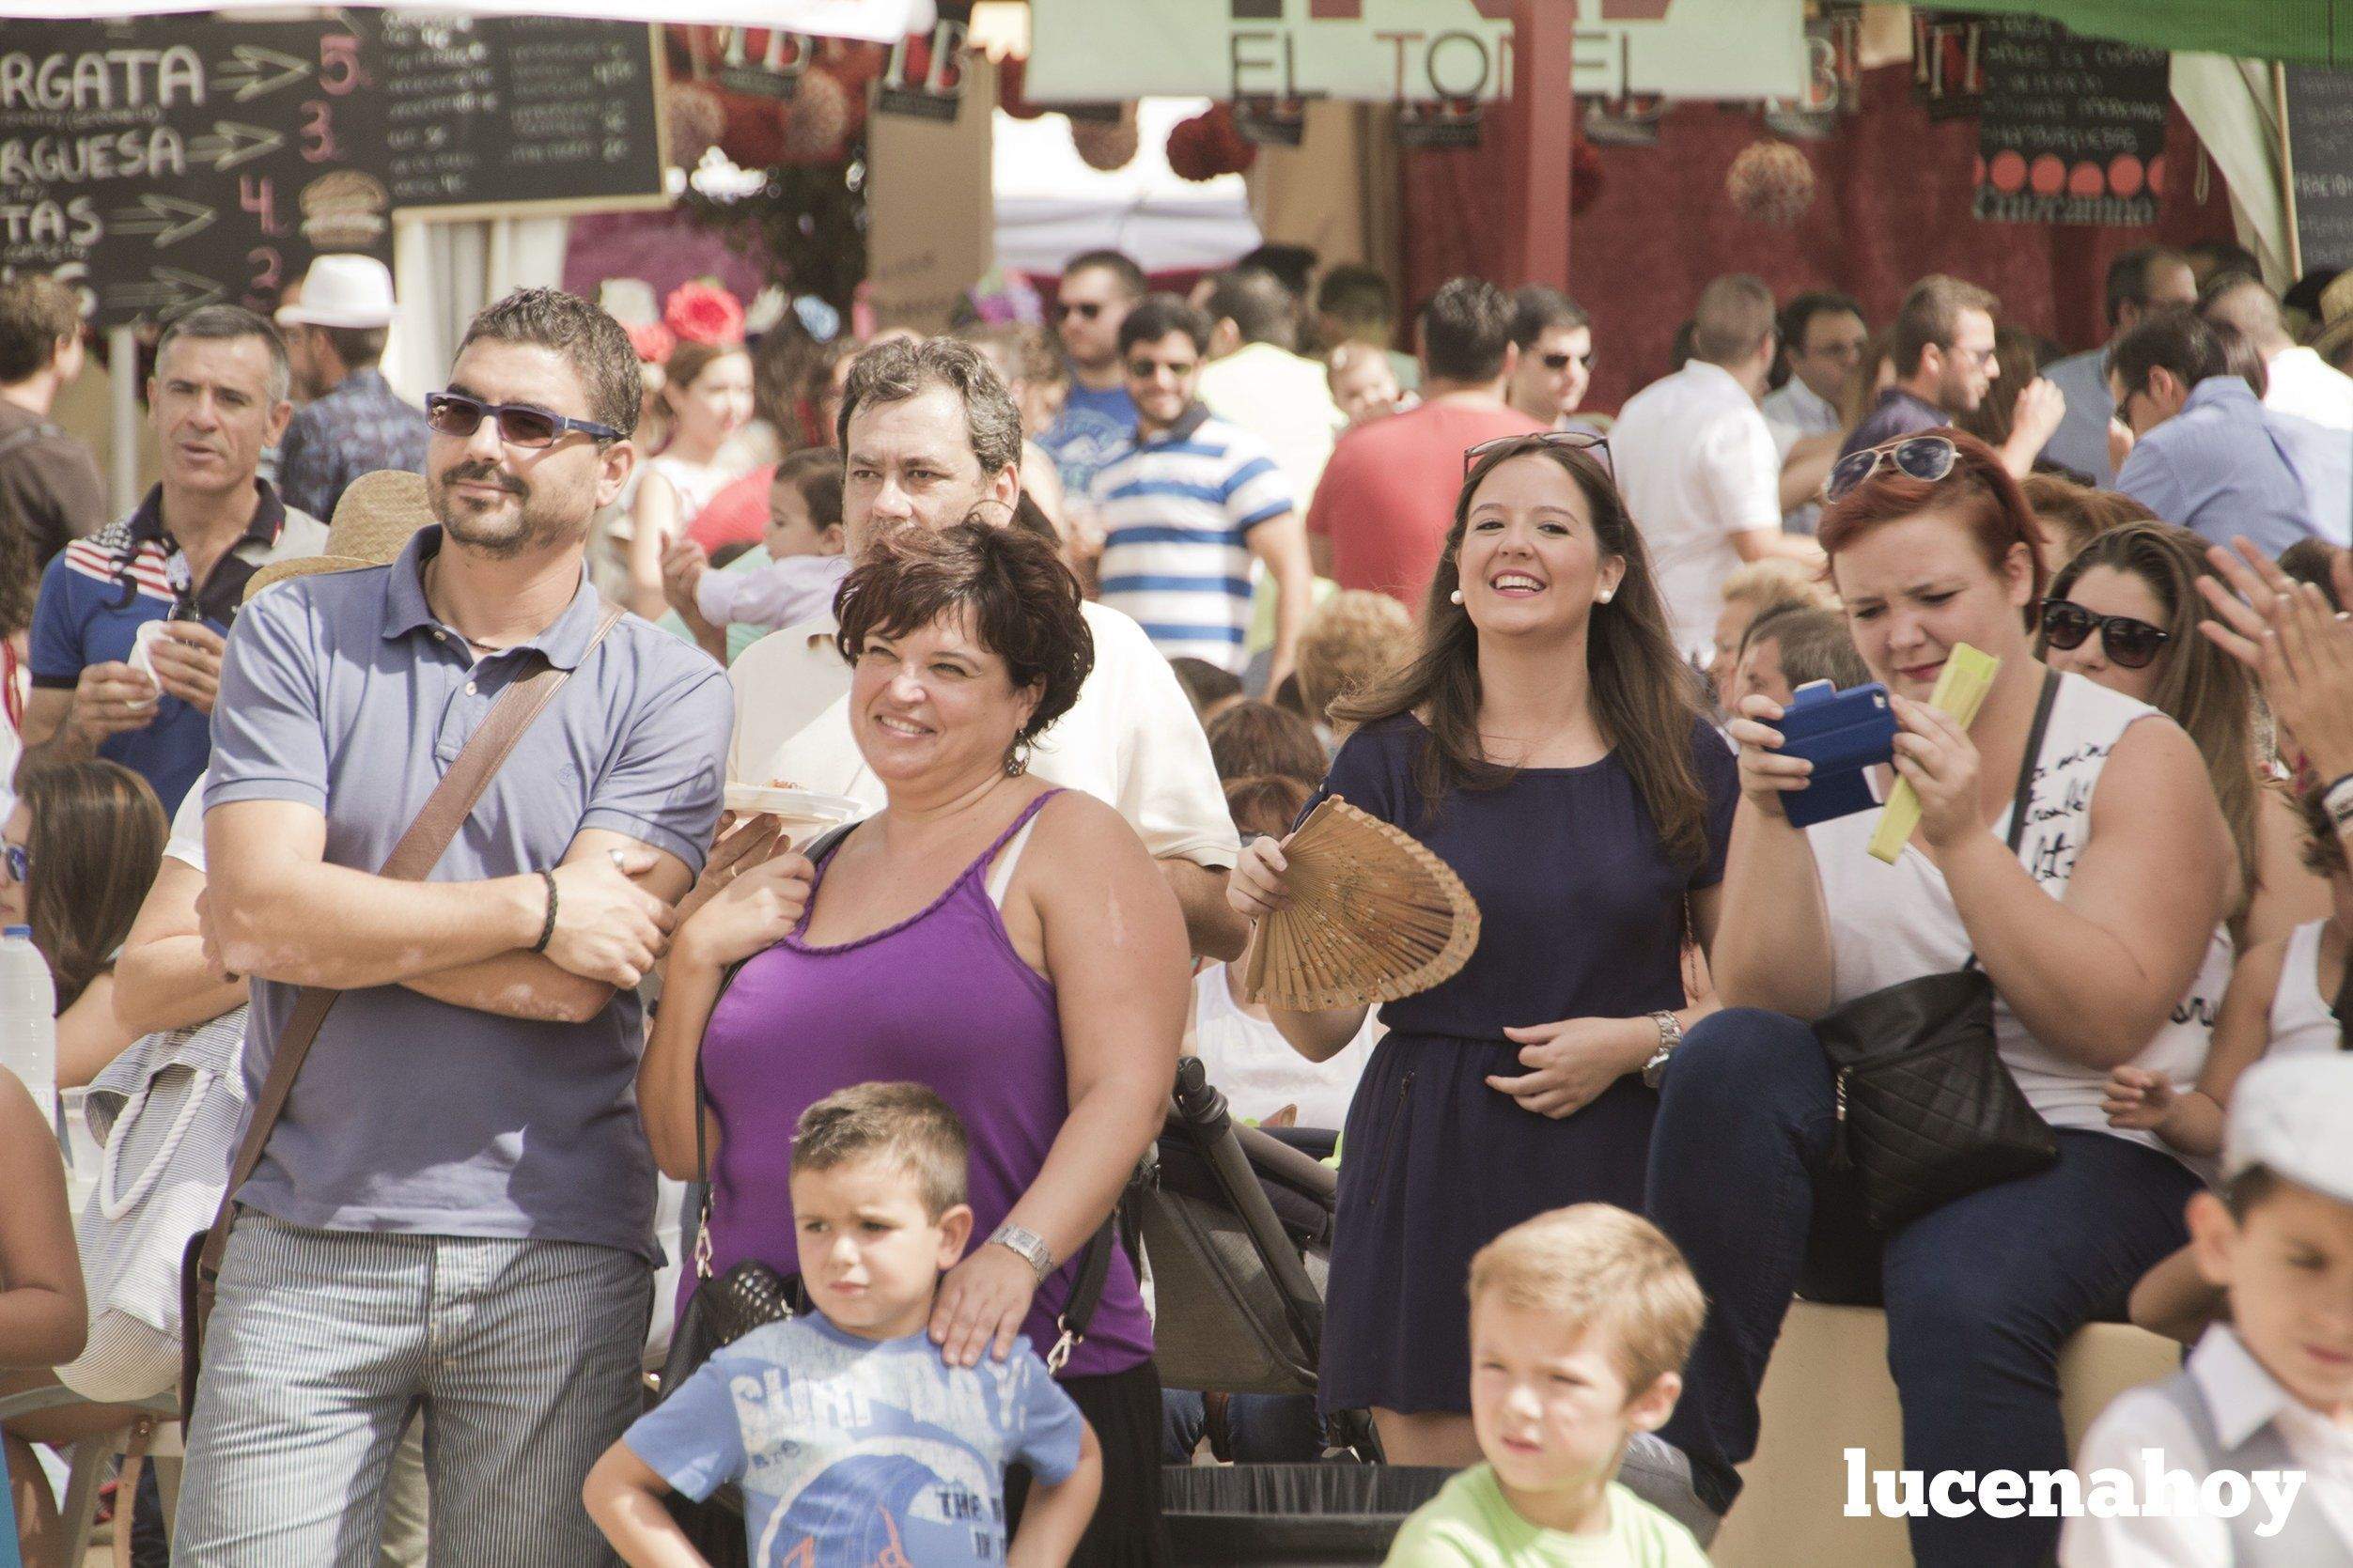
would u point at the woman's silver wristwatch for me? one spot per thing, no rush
(1670, 1036)
(1029, 1245)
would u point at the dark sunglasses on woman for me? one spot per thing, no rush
(2129, 642)
(1927, 458)
(1582, 440)
(455, 414)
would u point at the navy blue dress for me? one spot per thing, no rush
(1580, 916)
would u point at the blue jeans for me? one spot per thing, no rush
(523, 1355)
(1980, 1293)
(1266, 1429)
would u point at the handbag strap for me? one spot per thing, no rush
(2022, 797)
(820, 847)
(412, 860)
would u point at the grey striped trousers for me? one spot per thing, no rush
(524, 1355)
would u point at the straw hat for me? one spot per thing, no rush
(2336, 318)
(373, 524)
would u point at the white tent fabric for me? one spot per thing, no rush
(445, 271)
(2229, 104)
(1050, 204)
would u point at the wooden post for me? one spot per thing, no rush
(122, 375)
(2287, 174)
(1544, 123)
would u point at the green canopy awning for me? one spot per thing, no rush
(2301, 32)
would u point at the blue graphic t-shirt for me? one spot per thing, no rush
(1094, 428)
(853, 1452)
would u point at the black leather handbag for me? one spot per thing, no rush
(1926, 1110)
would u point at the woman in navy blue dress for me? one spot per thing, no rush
(1547, 744)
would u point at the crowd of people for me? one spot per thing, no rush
(1082, 614)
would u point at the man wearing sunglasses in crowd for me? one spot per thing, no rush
(1941, 347)
(2205, 453)
(1554, 337)
(1096, 291)
(180, 562)
(455, 1210)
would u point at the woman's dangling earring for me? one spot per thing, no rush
(1454, 598)
(1016, 759)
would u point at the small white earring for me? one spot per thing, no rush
(1454, 598)
(1606, 593)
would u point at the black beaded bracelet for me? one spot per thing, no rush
(547, 930)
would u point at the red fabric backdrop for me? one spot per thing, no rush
(1892, 203)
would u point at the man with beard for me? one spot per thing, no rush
(455, 1209)
(104, 684)
(930, 435)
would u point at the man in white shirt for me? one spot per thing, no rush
(2146, 278)
(931, 435)
(1822, 337)
(2312, 399)
(1253, 379)
(1697, 465)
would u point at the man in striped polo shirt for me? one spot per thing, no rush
(1189, 507)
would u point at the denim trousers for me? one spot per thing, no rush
(1266, 1429)
(1980, 1293)
(522, 1356)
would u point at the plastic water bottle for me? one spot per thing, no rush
(28, 1018)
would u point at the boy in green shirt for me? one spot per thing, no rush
(1581, 1320)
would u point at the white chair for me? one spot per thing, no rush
(154, 1434)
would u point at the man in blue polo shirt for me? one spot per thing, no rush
(455, 1209)
(1187, 508)
(2205, 453)
(217, 399)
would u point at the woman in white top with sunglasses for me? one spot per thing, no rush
(2089, 934)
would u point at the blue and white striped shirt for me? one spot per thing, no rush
(1177, 513)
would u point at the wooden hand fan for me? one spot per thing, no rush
(1373, 916)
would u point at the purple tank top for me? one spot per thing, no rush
(939, 999)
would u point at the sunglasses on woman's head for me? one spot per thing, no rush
(1927, 458)
(2129, 642)
(453, 413)
(1577, 441)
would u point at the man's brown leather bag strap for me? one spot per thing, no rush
(412, 860)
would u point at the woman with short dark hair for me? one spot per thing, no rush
(1009, 944)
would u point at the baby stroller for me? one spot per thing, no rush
(1237, 1226)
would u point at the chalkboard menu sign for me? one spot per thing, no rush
(169, 162)
(2072, 130)
(496, 115)
(2320, 150)
(176, 162)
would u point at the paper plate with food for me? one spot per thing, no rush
(806, 812)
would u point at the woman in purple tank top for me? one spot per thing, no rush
(1009, 944)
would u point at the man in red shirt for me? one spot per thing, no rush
(1387, 497)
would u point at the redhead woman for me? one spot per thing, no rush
(2089, 934)
(1008, 943)
(1547, 743)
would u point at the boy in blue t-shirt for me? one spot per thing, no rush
(854, 1441)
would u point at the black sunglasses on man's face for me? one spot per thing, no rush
(457, 415)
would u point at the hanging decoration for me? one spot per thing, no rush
(1585, 178)
(1771, 182)
(1209, 145)
(817, 119)
(1107, 147)
(696, 118)
(1012, 76)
